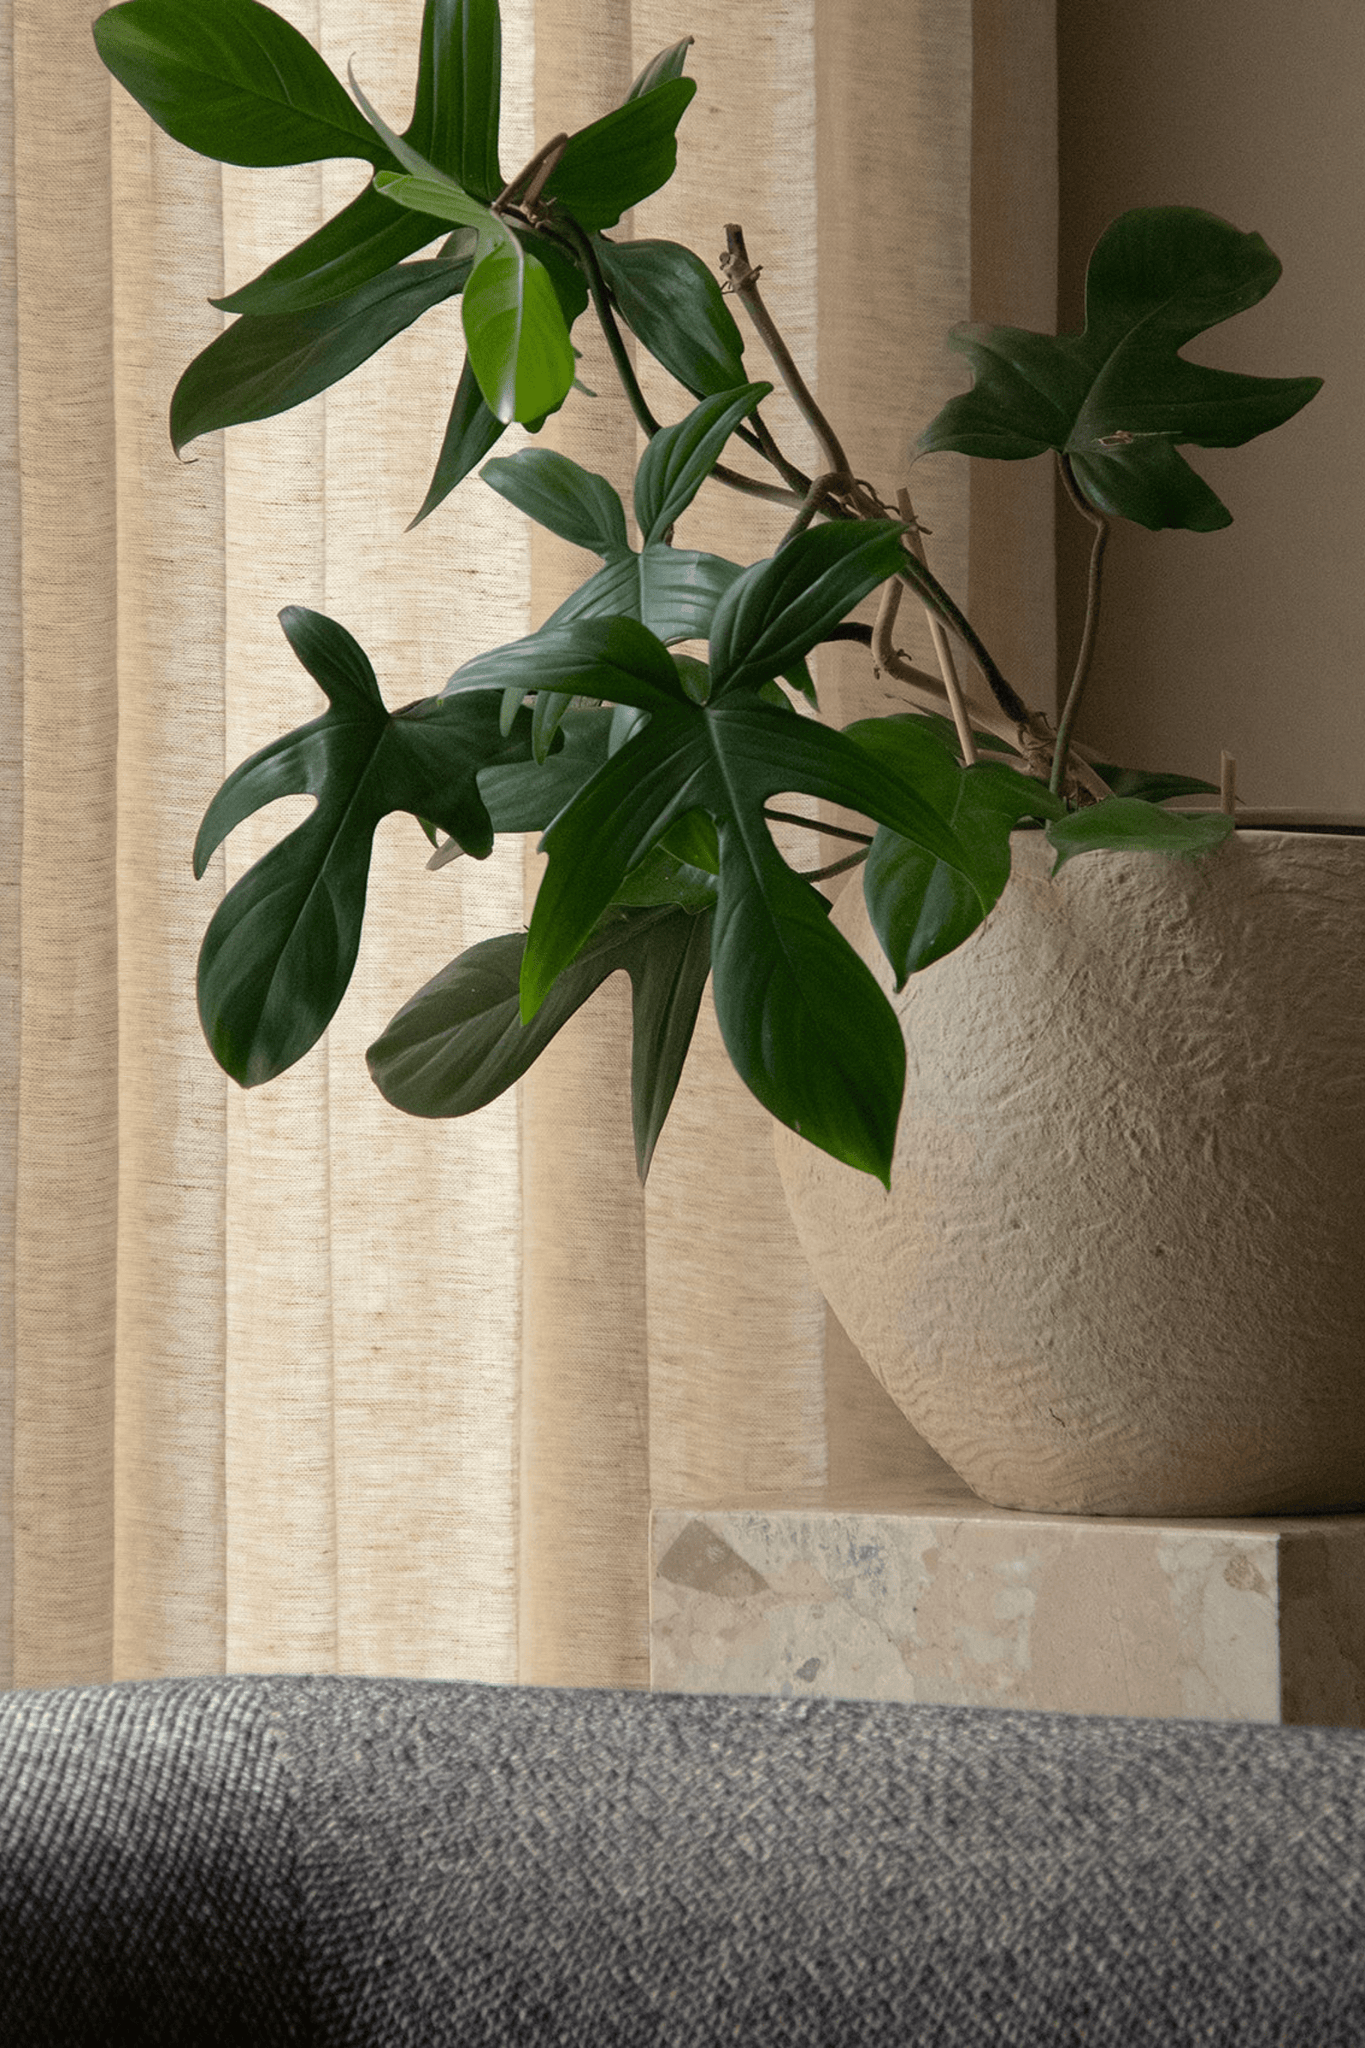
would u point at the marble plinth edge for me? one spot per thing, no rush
(943, 1598)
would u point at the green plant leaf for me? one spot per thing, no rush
(805, 1024)
(234, 81)
(1127, 825)
(514, 327)
(459, 88)
(515, 331)
(1117, 398)
(367, 237)
(678, 459)
(670, 300)
(920, 907)
(470, 432)
(573, 502)
(280, 948)
(614, 659)
(526, 796)
(266, 363)
(454, 126)
(459, 1043)
(621, 159)
(673, 591)
(668, 64)
(778, 610)
(1151, 784)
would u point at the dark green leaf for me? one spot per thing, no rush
(279, 951)
(921, 909)
(678, 460)
(459, 85)
(668, 64)
(669, 298)
(366, 237)
(673, 591)
(460, 1043)
(454, 125)
(571, 501)
(527, 796)
(622, 158)
(264, 364)
(663, 878)
(778, 610)
(806, 1026)
(1150, 784)
(727, 759)
(614, 658)
(470, 432)
(234, 81)
(1117, 398)
(1128, 825)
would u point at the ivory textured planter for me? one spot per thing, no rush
(1121, 1268)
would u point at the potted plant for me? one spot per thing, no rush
(652, 774)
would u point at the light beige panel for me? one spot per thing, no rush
(424, 1215)
(169, 1448)
(894, 115)
(64, 1197)
(1251, 639)
(1014, 280)
(11, 822)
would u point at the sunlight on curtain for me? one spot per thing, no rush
(293, 1381)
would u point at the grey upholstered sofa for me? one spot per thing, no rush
(346, 1860)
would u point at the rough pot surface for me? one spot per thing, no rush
(1121, 1268)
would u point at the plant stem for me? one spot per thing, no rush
(762, 439)
(946, 666)
(743, 280)
(525, 189)
(810, 505)
(601, 299)
(1092, 614)
(816, 825)
(837, 867)
(930, 591)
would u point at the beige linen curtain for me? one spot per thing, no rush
(289, 1381)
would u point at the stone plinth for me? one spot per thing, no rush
(926, 1593)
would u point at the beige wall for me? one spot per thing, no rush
(1251, 639)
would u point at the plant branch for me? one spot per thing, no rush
(762, 439)
(742, 278)
(930, 591)
(947, 668)
(810, 505)
(1096, 519)
(753, 486)
(526, 187)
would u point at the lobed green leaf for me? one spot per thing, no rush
(1118, 397)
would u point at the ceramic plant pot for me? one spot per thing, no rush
(1121, 1267)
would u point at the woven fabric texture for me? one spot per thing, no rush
(372, 1861)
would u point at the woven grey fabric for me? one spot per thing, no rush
(370, 1861)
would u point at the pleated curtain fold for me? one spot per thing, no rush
(289, 1381)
